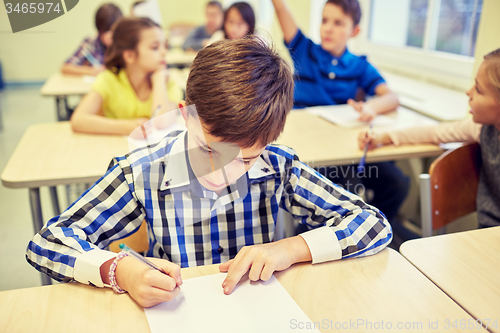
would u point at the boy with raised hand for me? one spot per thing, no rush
(211, 194)
(328, 74)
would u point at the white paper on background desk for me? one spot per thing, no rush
(88, 79)
(344, 115)
(253, 307)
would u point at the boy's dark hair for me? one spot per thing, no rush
(215, 4)
(126, 35)
(350, 7)
(106, 16)
(246, 12)
(242, 90)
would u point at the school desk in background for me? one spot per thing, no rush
(61, 86)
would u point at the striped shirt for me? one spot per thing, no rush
(94, 46)
(190, 225)
(323, 79)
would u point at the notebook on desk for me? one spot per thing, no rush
(344, 115)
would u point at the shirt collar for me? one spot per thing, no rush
(177, 171)
(260, 169)
(345, 59)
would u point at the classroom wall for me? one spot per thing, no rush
(487, 36)
(35, 54)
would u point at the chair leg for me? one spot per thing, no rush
(425, 205)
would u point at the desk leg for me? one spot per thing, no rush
(36, 214)
(63, 112)
(55, 200)
(60, 108)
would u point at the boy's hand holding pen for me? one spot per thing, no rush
(149, 281)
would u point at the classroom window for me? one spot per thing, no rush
(437, 25)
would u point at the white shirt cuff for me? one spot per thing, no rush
(323, 244)
(88, 265)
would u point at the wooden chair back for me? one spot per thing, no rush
(454, 178)
(138, 241)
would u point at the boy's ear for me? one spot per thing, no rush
(355, 31)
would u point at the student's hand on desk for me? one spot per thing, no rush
(374, 140)
(367, 113)
(263, 260)
(147, 286)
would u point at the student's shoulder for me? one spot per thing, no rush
(301, 41)
(278, 156)
(106, 76)
(105, 81)
(355, 61)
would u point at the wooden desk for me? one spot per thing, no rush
(466, 266)
(64, 84)
(384, 287)
(61, 86)
(321, 143)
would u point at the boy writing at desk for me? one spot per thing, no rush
(211, 194)
(328, 74)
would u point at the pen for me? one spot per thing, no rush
(93, 61)
(361, 165)
(137, 256)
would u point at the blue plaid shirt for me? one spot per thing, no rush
(191, 226)
(94, 46)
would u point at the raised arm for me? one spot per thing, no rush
(288, 25)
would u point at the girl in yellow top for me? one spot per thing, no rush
(134, 85)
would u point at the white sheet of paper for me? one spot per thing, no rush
(253, 307)
(344, 115)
